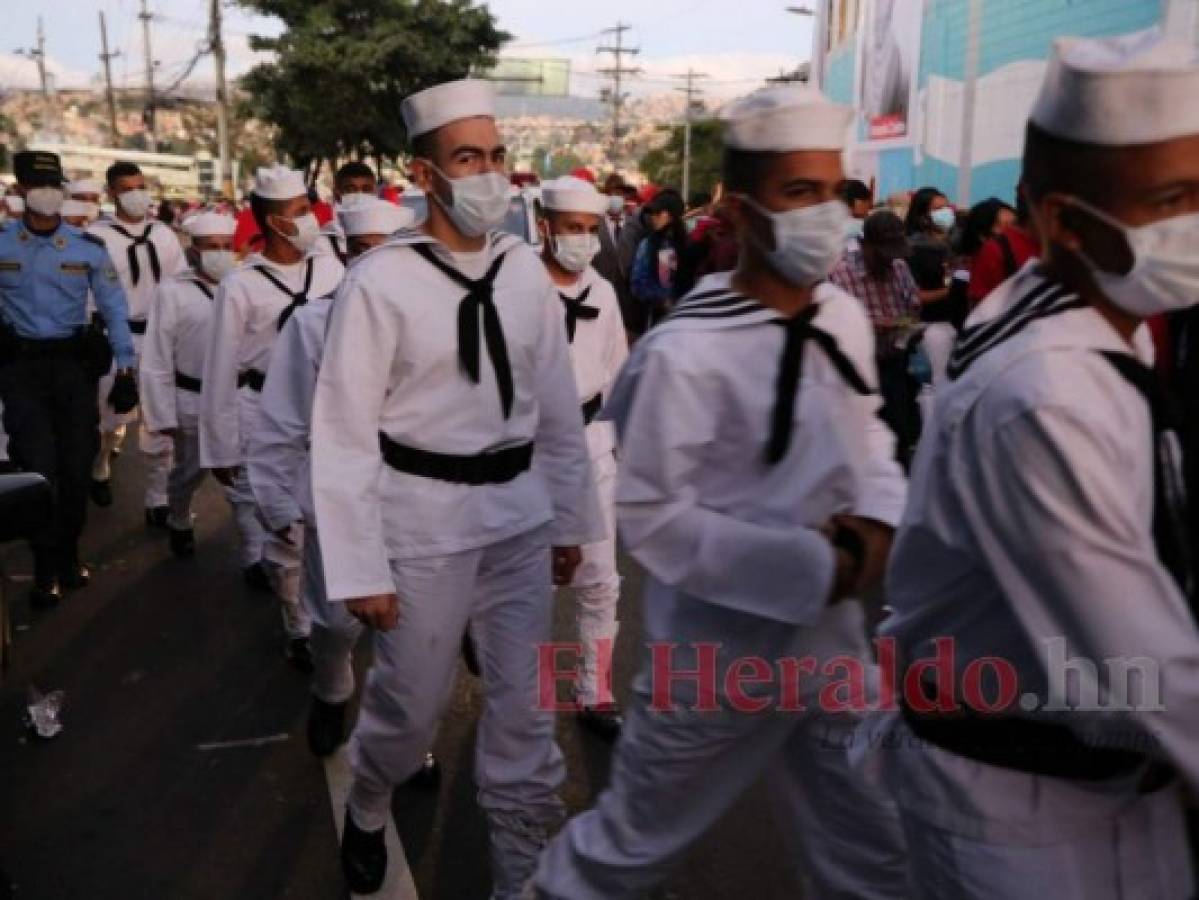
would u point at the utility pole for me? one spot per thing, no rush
(691, 92)
(617, 72)
(151, 138)
(106, 58)
(38, 55)
(224, 173)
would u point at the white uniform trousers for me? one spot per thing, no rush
(674, 774)
(334, 630)
(596, 589)
(186, 476)
(251, 532)
(283, 557)
(157, 448)
(504, 590)
(980, 832)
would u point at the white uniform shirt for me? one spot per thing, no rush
(600, 347)
(1031, 521)
(245, 325)
(333, 239)
(698, 505)
(171, 260)
(177, 337)
(277, 458)
(392, 365)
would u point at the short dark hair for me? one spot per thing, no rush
(425, 145)
(1054, 164)
(856, 190)
(354, 169)
(120, 169)
(742, 170)
(261, 207)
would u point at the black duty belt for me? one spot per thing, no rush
(1025, 745)
(492, 467)
(251, 378)
(49, 348)
(137, 326)
(591, 408)
(188, 383)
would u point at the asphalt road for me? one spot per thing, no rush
(162, 658)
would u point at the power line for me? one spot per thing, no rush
(617, 71)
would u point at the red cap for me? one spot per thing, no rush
(648, 192)
(584, 173)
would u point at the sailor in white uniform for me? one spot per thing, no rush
(450, 475)
(254, 301)
(355, 180)
(757, 487)
(89, 191)
(1045, 541)
(144, 252)
(278, 465)
(573, 211)
(177, 338)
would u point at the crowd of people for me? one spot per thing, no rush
(424, 427)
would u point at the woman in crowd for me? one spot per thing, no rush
(654, 279)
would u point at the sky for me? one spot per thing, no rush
(736, 49)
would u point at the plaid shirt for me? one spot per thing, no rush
(887, 301)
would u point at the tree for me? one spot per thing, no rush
(664, 165)
(342, 68)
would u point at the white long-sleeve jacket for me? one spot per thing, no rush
(392, 365)
(171, 261)
(244, 328)
(177, 336)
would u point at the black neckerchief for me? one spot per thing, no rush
(478, 298)
(575, 310)
(135, 269)
(298, 298)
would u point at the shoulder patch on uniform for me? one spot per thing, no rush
(75, 268)
(10, 265)
(91, 238)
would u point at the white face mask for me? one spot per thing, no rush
(308, 229)
(45, 201)
(1165, 269)
(15, 204)
(944, 218)
(216, 264)
(134, 204)
(93, 210)
(615, 205)
(574, 252)
(807, 241)
(479, 202)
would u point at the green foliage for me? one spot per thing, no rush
(664, 165)
(342, 67)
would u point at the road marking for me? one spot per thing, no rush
(398, 885)
(246, 742)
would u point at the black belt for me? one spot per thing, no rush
(48, 348)
(251, 378)
(187, 383)
(492, 467)
(1025, 745)
(137, 326)
(591, 408)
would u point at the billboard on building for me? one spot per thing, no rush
(531, 77)
(889, 69)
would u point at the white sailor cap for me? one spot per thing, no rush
(210, 224)
(85, 186)
(785, 117)
(370, 215)
(1139, 88)
(570, 194)
(279, 183)
(442, 104)
(73, 208)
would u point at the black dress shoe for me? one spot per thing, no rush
(299, 655)
(101, 492)
(73, 576)
(255, 576)
(183, 542)
(604, 721)
(326, 727)
(157, 516)
(363, 857)
(428, 776)
(45, 596)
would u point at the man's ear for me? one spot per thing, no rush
(421, 174)
(1053, 217)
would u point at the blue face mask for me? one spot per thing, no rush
(944, 218)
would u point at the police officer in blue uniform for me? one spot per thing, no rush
(50, 359)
